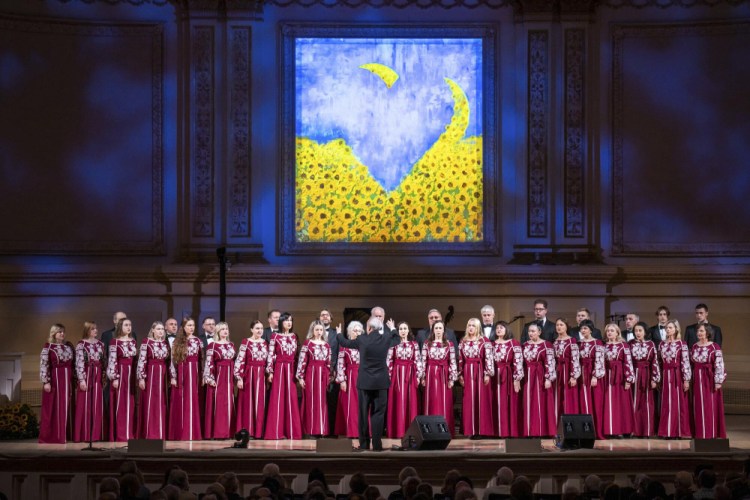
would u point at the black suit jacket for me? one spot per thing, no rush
(492, 337)
(333, 342)
(655, 335)
(424, 333)
(691, 337)
(575, 332)
(373, 351)
(267, 334)
(548, 331)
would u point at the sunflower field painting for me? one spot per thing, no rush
(388, 140)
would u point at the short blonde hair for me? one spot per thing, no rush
(57, 327)
(153, 327)
(221, 325)
(477, 324)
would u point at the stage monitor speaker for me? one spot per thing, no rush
(576, 431)
(710, 445)
(145, 446)
(523, 445)
(427, 432)
(333, 446)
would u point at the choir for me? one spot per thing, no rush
(177, 386)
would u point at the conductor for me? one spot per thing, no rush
(373, 380)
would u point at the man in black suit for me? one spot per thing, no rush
(631, 319)
(701, 315)
(582, 315)
(658, 332)
(209, 328)
(424, 333)
(540, 318)
(273, 324)
(379, 312)
(488, 322)
(372, 382)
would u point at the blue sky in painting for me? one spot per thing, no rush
(388, 129)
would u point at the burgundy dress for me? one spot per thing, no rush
(617, 418)
(89, 420)
(250, 367)
(538, 401)
(219, 416)
(646, 366)
(152, 369)
(347, 410)
(282, 419)
(405, 369)
(314, 367)
(708, 403)
(475, 361)
(567, 365)
(506, 407)
(122, 355)
(56, 369)
(674, 419)
(591, 399)
(440, 369)
(184, 408)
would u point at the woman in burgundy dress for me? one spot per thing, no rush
(568, 367)
(538, 391)
(476, 367)
(282, 419)
(405, 369)
(121, 373)
(647, 378)
(708, 376)
(314, 375)
(185, 371)
(219, 381)
(347, 371)
(590, 396)
(506, 383)
(674, 419)
(89, 420)
(250, 374)
(152, 372)
(56, 374)
(617, 419)
(440, 374)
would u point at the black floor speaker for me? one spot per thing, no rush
(146, 446)
(427, 432)
(576, 431)
(717, 445)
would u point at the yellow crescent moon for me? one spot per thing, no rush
(456, 129)
(385, 73)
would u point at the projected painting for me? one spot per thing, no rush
(388, 140)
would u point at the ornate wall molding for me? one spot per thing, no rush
(239, 131)
(538, 140)
(575, 133)
(202, 195)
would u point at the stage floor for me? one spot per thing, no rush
(23, 461)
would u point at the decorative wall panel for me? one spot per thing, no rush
(538, 139)
(680, 152)
(202, 171)
(239, 131)
(81, 137)
(575, 133)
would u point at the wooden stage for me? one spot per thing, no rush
(24, 464)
